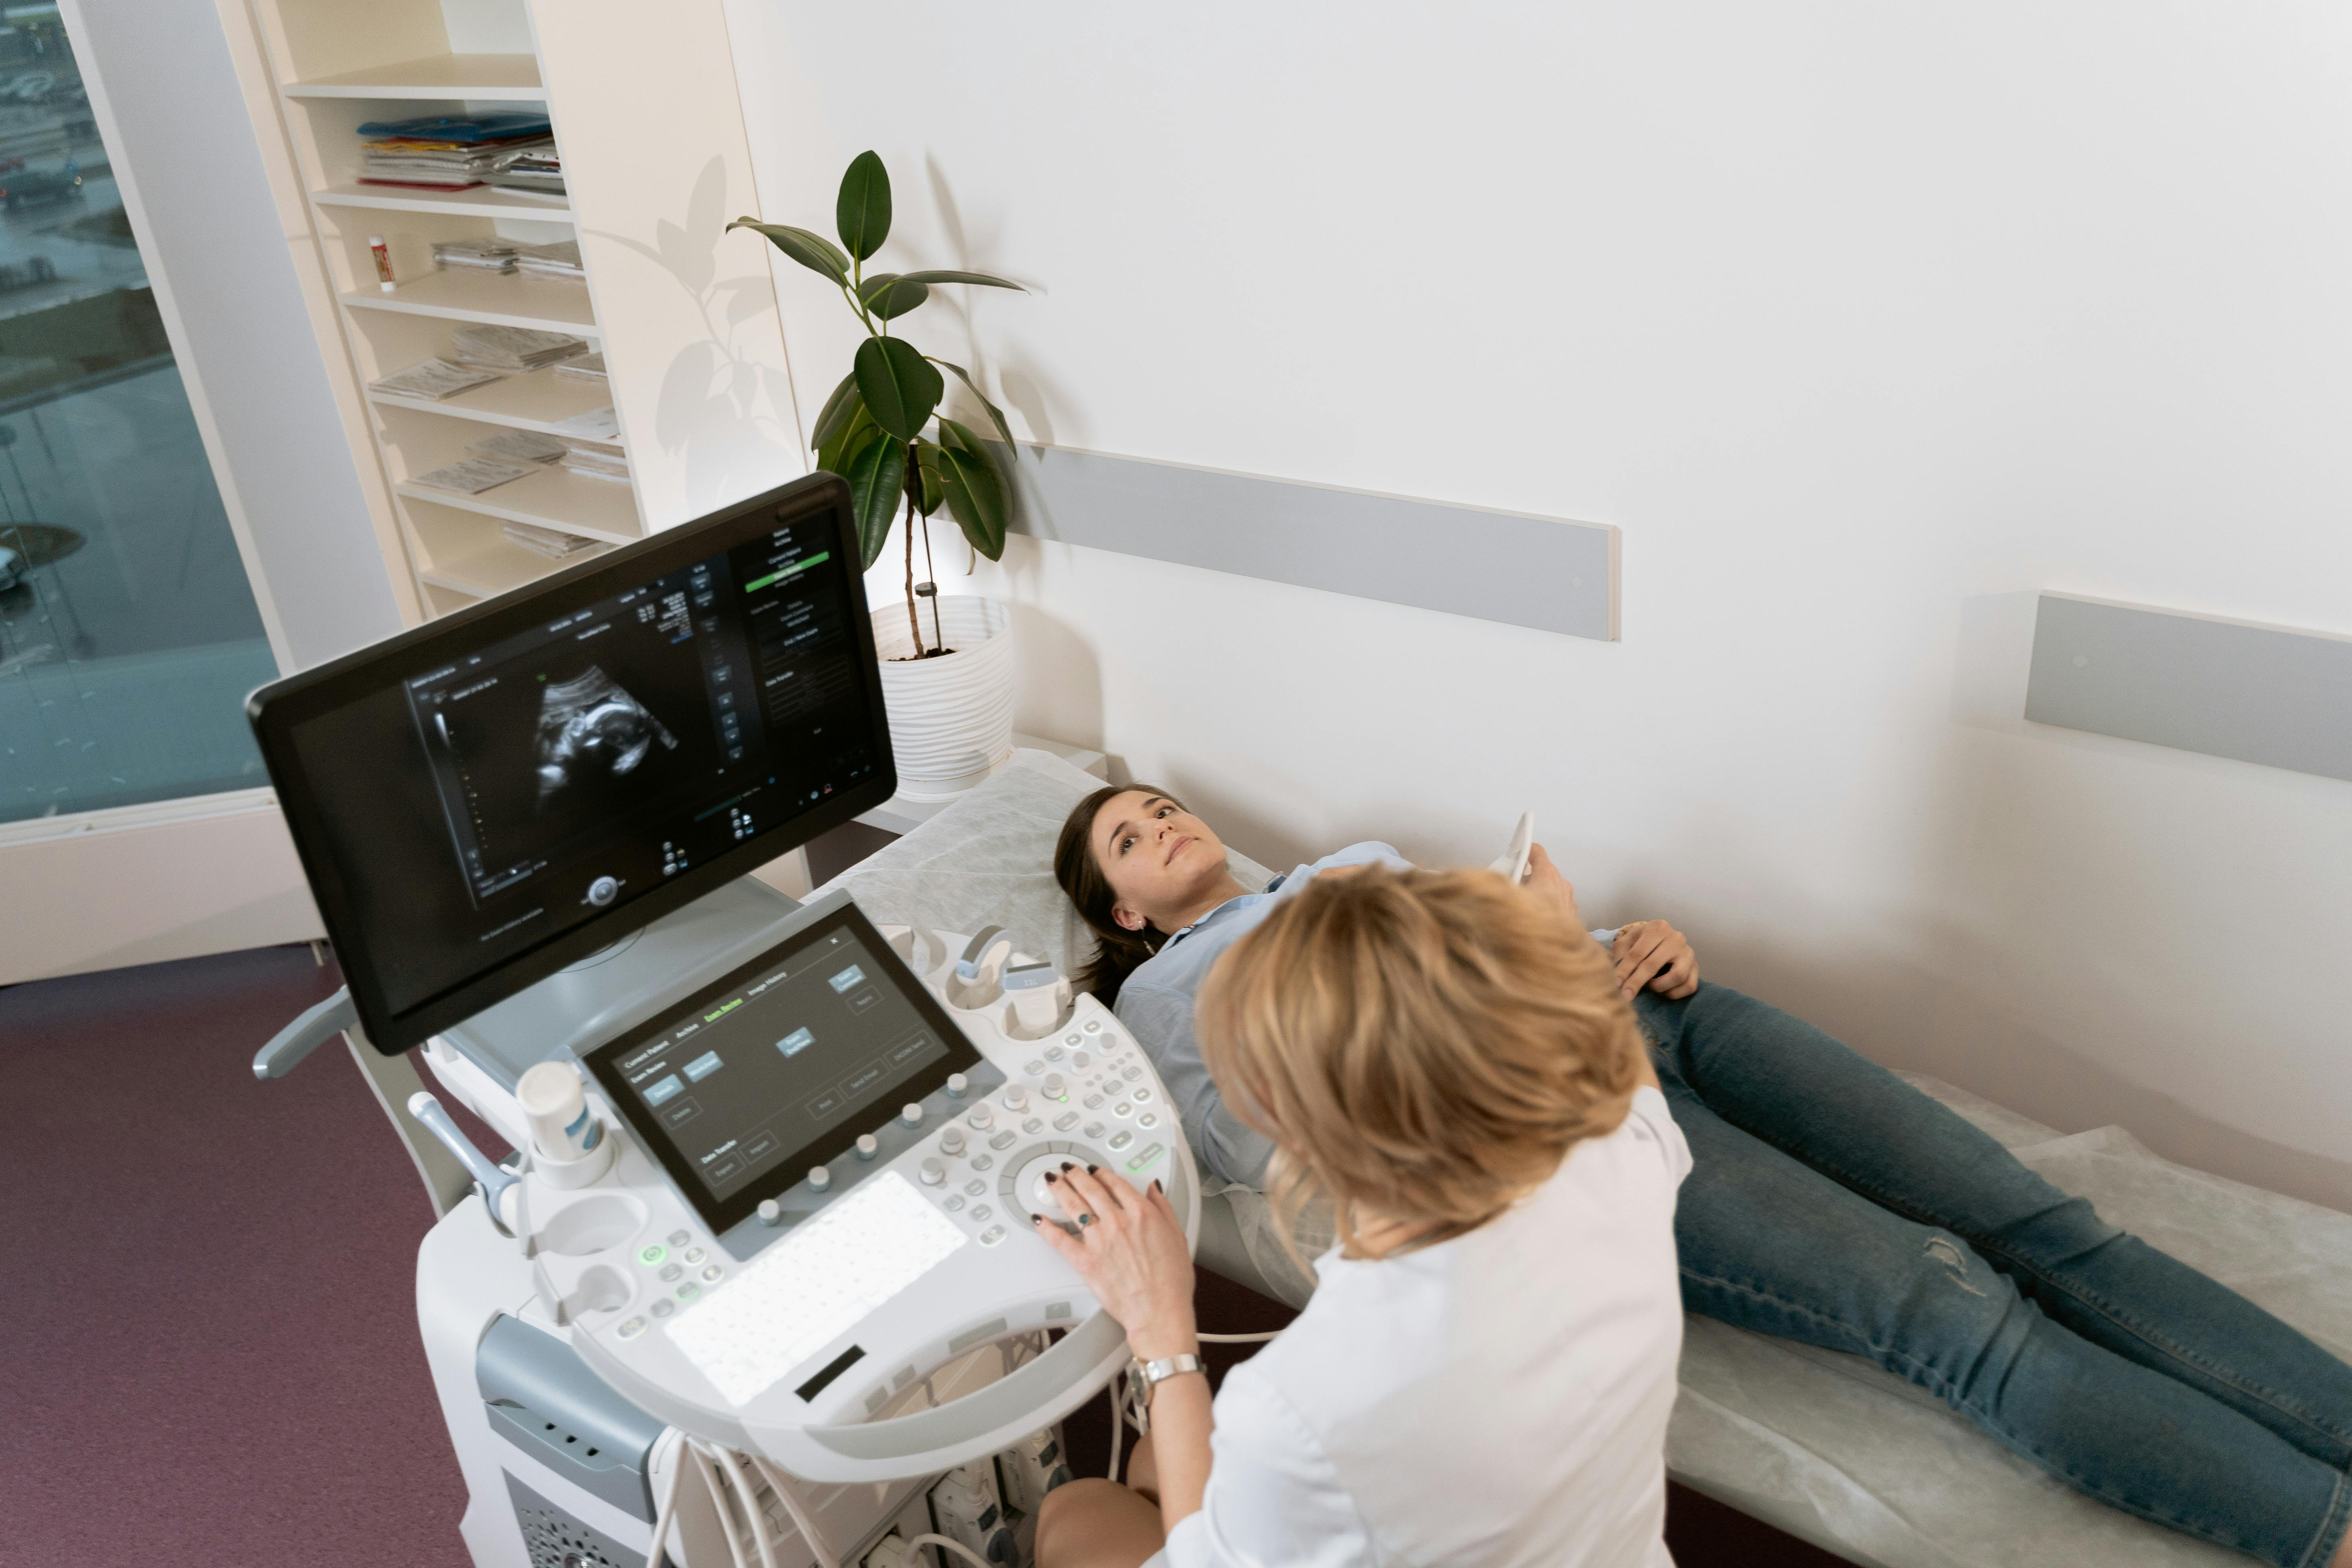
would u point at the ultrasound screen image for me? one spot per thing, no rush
(589, 726)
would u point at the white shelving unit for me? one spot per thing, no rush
(666, 288)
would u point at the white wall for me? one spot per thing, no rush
(1863, 323)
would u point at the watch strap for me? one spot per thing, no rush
(1156, 1372)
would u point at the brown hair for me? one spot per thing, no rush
(1118, 952)
(1426, 1045)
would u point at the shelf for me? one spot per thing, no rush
(502, 299)
(441, 599)
(482, 201)
(512, 78)
(593, 509)
(494, 566)
(536, 400)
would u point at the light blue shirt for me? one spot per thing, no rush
(1156, 1005)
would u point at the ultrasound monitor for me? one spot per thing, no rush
(780, 1064)
(486, 799)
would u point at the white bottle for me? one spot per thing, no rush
(561, 1127)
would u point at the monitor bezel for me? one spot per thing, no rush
(722, 1215)
(276, 710)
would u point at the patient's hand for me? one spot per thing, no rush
(1654, 953)
(1544, 878)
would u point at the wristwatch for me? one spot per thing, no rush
(1156, 1372)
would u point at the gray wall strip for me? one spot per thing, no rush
(1497, 565)
(2258, 694)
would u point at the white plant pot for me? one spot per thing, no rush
(950, 717)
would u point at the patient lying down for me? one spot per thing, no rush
(1828, 1202)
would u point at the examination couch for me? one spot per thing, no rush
(1823, 1445)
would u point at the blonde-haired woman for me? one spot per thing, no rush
(1485, 1374)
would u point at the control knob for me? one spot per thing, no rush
(933, 1174)
(980, 1118)
(957, 1086)
(819, 1177)
(1055, 1087)
(1016, 1098)
(770, 1212)
(867, 1146)
(951, 1141)
(911, 1114)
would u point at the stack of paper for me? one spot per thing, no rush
(486, 255)
(512, 348)
(546, 540)
(435, 379)
(537, 167)
(595, 461)
(472, 475)
(447, 152)
(519, 446)
(587, 367)
(561, 260)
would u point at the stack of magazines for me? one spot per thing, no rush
(433, 380)
(595, 459)
(511, 349)
(519, 447)
(447, 152)
(535, 167)
(587, 367)
(485, 255)
(561, 260)
(546, 540)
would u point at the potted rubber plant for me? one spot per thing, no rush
(950, 694)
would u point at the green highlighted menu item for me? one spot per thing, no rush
(795, 570)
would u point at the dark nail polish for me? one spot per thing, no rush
(1036, 1219)
(1094, 1170)
(1067, 1165)
(1054, 1175)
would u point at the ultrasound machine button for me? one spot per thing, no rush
(951, 1141)
(671, 1270)
(982, 1117)
(1122, 1109)
(1034, 1068)
(1064, 1122)
(1016, 1098)
(911, 1114)
(663, 1307)
(934, 1174)
(1080, 1060)
(819, 1177)
(770, 1212)
(867, 1147)
(652, 1255)
(1072, 1039)
(982, 1161)
(1035, 1125)
(1142, 1092)
(957, 1086)
(633, 1328)
(1003, 1140)
(1094, 1025)
(602, 892)
(693, 1255)
(688, 1291)
(980, 1211)
(1149, 1118)
(1130, 1072)
(1055, 1086)
(1094, 1129)
(1092, 1101)
(952, 1204)
(680, 1237)
(1121, 1139)
(1052, 1053)
(713, 1272)
(992, 1236)
(975, 1186)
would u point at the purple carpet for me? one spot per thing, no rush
(210, 1287)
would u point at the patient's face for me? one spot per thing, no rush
(1158, 857)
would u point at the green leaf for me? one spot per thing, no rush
(877, 482)
(975, 496)
(890, 296)
(926, 466)
(995, 414)
(833, 453)
(837, 412)
(963, 277)
(812, 251)
(862, 211)
(900, 386)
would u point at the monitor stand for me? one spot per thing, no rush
(575, 1010)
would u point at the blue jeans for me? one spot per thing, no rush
(1832, 1203)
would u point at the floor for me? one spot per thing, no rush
(210, 1281)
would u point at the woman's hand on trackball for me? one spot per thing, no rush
(1133, 1256)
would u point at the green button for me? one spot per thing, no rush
(688, 1291)
(652, 1256)
(1147, 1157)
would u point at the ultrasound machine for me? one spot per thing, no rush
(758, 1286)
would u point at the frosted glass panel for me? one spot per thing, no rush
(128, 632)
